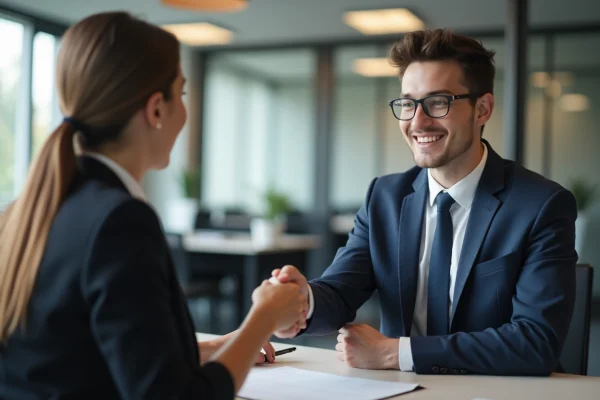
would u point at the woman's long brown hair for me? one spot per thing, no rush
(108, 66)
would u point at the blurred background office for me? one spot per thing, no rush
(288, 122)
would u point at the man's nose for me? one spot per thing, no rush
(421, 119)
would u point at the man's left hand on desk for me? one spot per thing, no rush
(362, 346)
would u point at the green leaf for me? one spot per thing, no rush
(191, 184)
(584, 193)
(277, 203)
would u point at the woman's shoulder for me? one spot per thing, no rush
(91, 204)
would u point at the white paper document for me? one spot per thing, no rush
(297, 384)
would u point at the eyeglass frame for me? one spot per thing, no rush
(421, 101)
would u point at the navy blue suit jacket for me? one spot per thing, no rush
(107, 318)
(515, 285)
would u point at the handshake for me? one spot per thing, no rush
(285, 298)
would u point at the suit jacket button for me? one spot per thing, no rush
(456, 371)
(464, 371)
(435, 369)
(443, 370)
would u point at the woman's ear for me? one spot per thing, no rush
(154, 110)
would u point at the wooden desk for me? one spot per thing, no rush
(448, 387)
(232, 253)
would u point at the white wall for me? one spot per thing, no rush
(354, 141)
(220, 150)
(292, 156)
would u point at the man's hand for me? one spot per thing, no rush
(362, 346)
(287, 274)
(209, 347)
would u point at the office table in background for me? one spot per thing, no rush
(447, 387)
(233, 253)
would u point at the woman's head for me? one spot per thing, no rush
(117, 74)
(120, 86)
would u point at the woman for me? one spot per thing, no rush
(89, 303)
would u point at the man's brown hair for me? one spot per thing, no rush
(476, 62)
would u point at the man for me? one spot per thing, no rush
(472, 255)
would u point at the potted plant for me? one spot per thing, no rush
(267, 228)
(584, 195)
(183, 210)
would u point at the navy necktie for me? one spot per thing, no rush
(438, 286)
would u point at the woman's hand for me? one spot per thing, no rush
(284, 302)
(209, 347)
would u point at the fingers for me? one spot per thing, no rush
(287, 333)
(269, 352)
(289, 273)
(303, 323)
(339, 347)
(275, 273)
(265, 283)
(345, 329)
(260, 358)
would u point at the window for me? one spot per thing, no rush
(11, 103)
(28, 104)
(45, 113)
(259, 128)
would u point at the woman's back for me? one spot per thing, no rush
(105, 293)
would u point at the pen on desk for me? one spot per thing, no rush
(285, 351)
(280, 352)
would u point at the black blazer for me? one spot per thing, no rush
(107, 318)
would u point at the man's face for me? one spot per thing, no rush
(438, 142)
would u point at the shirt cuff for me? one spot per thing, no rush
(405, 355)
(311, 303)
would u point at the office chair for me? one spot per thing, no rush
(574, 357)
(195, 288)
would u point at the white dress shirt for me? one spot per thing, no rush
(463, 193)
(132, 186)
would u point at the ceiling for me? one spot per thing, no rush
(574, 52)
(288, 21)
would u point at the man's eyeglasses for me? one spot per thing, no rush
(435, 106)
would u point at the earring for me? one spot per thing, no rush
(159, 126)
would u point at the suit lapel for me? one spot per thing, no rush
(485, 205)
(410, 227)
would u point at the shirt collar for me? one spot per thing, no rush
(132, 186)
(463, 191)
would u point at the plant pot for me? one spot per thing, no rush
(266, 232)
(580, 231)
(181, 215)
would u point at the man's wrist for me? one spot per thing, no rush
(390, 354)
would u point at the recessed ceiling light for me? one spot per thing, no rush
(207, 5)
(386, 21)
(374, 67)
(554, 89)
(200, 34)
(574, 102)
(542, 79)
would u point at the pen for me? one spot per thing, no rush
(284, 351)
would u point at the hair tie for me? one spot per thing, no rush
(76, 124)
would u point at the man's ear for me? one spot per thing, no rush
(485, 108)
(154, 110)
